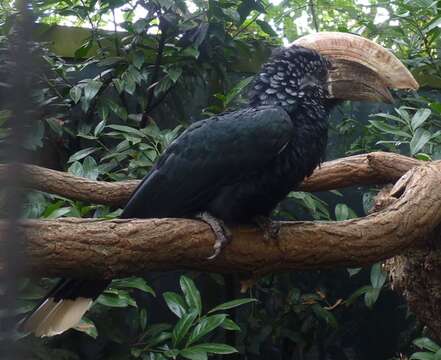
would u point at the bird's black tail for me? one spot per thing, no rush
(63, 307)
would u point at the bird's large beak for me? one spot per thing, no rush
(360, 68)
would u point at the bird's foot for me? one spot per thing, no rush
(269, 227)
(221, 231)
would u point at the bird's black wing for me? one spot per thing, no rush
(209, 154)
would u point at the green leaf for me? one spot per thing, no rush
(420, 138)
(115, 299)
(371, 296)
(175, 303)
(56, 125)
(33, 208)
(155, 330)
(81, 154)
(423, 157)
(191, 294)
(103, 111)
(422, 356)
(57, 213)
(435, 106)
(419, 118)
(436, 22)
(266, 28)
(88, 327)
(138, 59)
(140, 25)
(324, 314)
(129, 86)
(205, 326)
(111, 60)
(357, 293)
(143, 319)
(133, 283)
(119, 111)
(231, 14)
(214, 348)
(174, 73)
(119, 85)
(99, 128)
(353, 271)
(34, 138)
(127, 129)
(426, 344)
(90, 168)
(378, 276)
(191, 52)
(75, 94)
(193, 354)
(344, 212)
(182, 327)
(229, 324)
(161, 338)
(76, 169)
(389, 129)
(163, 86)
(232, 304)
(91, 89)
(173, 353)
(391, 117)
(237, 89)
(437, 355)
(82, 51)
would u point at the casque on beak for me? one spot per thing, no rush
(360, 68)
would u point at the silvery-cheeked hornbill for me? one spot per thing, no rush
(236, 167)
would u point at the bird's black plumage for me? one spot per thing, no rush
(240, 164)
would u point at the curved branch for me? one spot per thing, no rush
(106, 249)
(367, 169)
(74, 187)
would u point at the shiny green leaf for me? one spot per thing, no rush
(419, 139)
(182, 327)
(133, 283)
(175, 303)
(229, 324)
(75, 94)
(426, 344)
(192, 354)
(422, 356)
(191, 294)
(82, 154)
(213, 348)
(205, 326)
(232, 304)
(88, 327)
(378, 276)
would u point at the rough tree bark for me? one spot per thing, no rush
(97, 248)
(416, 274)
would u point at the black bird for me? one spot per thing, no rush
(236, 167)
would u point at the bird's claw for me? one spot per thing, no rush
(270, 228)
(222, 233)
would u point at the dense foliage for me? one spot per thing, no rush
(144, 70)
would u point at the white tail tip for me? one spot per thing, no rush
(55, 317)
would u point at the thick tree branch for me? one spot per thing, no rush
(96, 248)
(366, 169)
